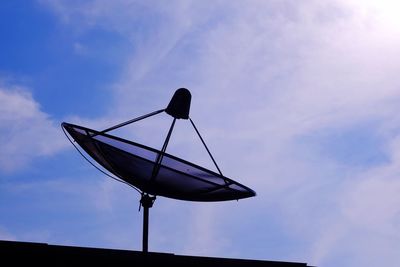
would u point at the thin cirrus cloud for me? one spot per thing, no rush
(277, 82)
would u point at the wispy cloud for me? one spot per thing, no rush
(26, 131)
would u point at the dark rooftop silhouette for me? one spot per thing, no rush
(13, 253)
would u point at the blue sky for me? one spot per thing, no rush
(298, 100)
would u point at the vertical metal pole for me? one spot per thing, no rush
(146, 202)
(145, 228)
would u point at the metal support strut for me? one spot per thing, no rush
(204, 144)
(160, 156)
(146, 202)
(130, 121)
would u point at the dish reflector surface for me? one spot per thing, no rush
(134, 163)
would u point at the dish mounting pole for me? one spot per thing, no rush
(146, 202)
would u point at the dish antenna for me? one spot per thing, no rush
(154, 172)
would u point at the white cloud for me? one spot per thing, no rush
(366, 222)
(26, 131)
(204, 238)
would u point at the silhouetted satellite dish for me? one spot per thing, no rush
(154, 172)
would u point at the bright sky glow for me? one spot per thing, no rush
(385, 11)
(296, 99)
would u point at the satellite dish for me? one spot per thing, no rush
(154, 172)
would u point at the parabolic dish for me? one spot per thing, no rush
(134, 163)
